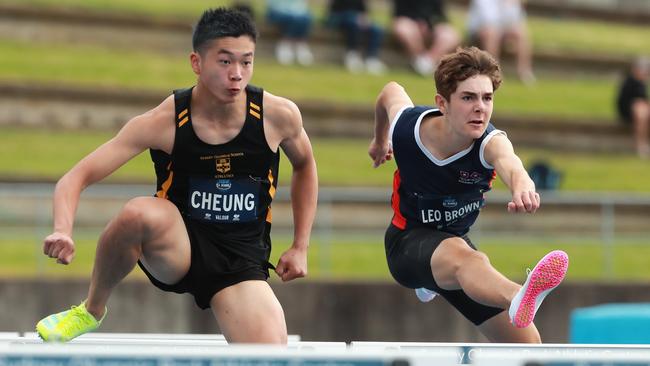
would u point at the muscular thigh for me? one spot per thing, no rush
(166, 251)
(249, 312)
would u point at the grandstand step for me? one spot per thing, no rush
(109, 109)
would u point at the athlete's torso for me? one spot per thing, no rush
(443, 194)
(228, 186)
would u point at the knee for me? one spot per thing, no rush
(277, 334)
(133, 213)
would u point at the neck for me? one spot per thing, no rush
(209, 107)
(447, 141)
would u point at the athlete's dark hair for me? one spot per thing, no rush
(462, 65)
(220, 23)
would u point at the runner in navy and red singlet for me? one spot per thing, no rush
(446, 160)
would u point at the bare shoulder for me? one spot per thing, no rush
(153, 129)
(282, 115)
(498, 146)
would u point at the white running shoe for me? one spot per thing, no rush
(547, 275)
(424, 294)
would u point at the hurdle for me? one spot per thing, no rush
(495, 357)
(175, 336)
(466, 353)
(236, 355)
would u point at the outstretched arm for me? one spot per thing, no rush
(500, 154)
(285, 118)
(391, 99)
(134, 138)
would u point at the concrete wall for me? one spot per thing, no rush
(325, 311)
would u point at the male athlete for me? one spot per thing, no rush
(446, 160)
(207, 230)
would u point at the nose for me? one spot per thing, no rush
(235, 72)
(480, 106)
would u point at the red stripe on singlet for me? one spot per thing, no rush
(398, 219)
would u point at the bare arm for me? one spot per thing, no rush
(131, 140)
(286, 122)
(500, 154)
(390, 101)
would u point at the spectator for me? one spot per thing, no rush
(633, 106)
(351, 17)
(422, 28)
(294, 20)
(492, 22)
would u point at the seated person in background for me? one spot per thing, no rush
(633, 106)
(491, 22)
(351, 17)
(294, 20)
(422, 28)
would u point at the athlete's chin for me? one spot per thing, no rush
(476, 131)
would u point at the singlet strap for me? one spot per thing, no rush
(182, 99)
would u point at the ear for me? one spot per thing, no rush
(442, 103)
(195, 61)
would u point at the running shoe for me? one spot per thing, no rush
(424, 294)
(69, 324)
(547, 275)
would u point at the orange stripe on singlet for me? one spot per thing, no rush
(254, 114)
(269, 215)
(165, 186)
(183, 121)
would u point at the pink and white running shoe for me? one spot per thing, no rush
(547, 275)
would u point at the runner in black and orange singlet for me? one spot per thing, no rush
(215, 148)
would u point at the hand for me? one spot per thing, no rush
(524, 201)
(60, 246)
(379, 153)
(292, 264)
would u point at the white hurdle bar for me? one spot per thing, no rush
(495, 357)
(236, 355)
(467, 352)
(181, 336)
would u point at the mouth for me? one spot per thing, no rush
(476, 122)
(234, 91)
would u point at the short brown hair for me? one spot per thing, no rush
(462, 65)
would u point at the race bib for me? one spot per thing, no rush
(443, 211)
(223, 200)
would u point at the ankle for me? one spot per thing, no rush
(96, 311)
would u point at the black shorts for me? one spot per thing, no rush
(409, 252)
(213, 267)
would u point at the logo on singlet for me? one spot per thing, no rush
(223, 184)
(469, 177)
(223, 165)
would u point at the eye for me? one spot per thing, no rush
(466, 98)
(247, 63)
(224, 62)
(488, 98)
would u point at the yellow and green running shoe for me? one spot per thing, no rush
(69, 324)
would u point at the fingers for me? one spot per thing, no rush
(288, 272)
(524, 202)
(60, 247)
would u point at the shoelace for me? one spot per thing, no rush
(73, 325)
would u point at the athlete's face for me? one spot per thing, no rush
(469, 108)
(225, 67)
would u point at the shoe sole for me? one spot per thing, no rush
(547, 275)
